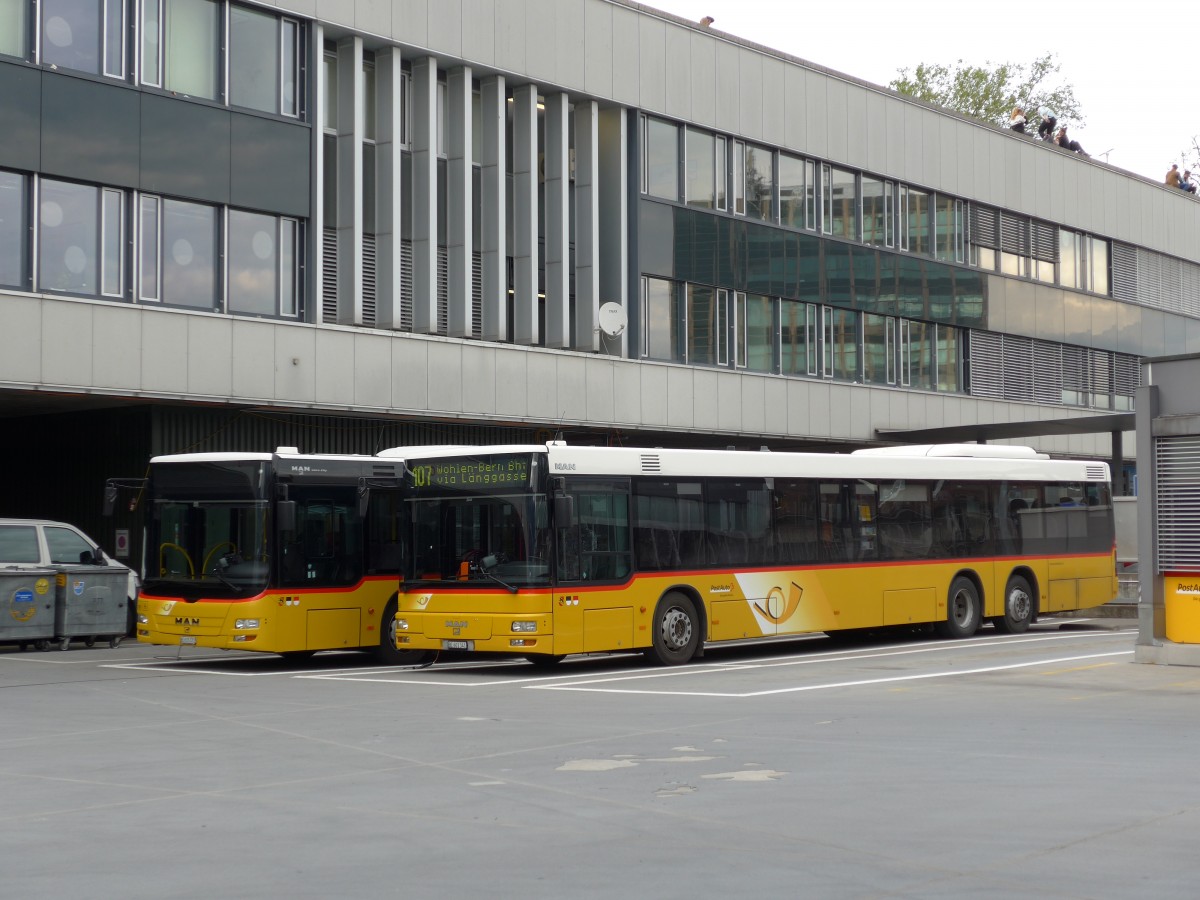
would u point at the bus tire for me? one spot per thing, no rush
(963, 610)
(676, 630)
(386, 652)
(1018, 606)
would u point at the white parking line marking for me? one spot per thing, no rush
(822, 687)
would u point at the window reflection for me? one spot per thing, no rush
(68, 237)
(253, 263)
(13, 19)
(760, 183)
(254, 59)
(842, 203)
(71, 32)
(701, 162)
(791, 191)
(659, 337)
(660, 165)
(702, 325)
(13, 229)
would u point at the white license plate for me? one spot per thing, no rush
(187, 641)
(458, 645)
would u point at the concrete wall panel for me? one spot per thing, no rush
(446, 387)
(729, 96)
(478, 32)
(333, 357)
(652, 61)
(625, 62)
(447, 27)
(510, 35)
(571, 44)
(598, 49)
(702, 58)
(294, 369)
(750, 94)
(209, 356)
(116, 347)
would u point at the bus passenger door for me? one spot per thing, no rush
(592, 612)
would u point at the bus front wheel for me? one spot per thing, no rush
(963, 609)
(386, 652)
(1018, 606)
(676, 630)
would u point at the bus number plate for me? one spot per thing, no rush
(188, 640)
(458, 645)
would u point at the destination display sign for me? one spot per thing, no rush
(471, 473)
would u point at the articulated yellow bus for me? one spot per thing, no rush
(545, 551)
(276, 552)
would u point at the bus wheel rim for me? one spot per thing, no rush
(1019, 604)
(961, 608)
(676, 628)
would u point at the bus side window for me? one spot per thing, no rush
(597, 547)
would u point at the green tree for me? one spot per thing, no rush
(989, 92)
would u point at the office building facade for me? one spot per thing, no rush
(344, 224)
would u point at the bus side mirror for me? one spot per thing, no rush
(110, 499)
(564, 511)
(285, 515)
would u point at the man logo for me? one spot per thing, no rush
(185, 620)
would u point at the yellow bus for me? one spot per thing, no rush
(275, 552)
(545, 551)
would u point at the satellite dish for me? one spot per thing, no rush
(612, 319)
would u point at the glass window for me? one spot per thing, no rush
(150, 229)
(289, 256)
(841, 344)
(596, 547)
(798, 324)
(289, 100)
(755, 333)
(189, 42)
(738, 514)
(66, 547)
(1069, 268)
(701, 165)
(948, 354)
(660, 164)
(369, 115)
(760, 183)
(702, 325)
(722, 328)
(739, 178)
(13, 27)
(918, 354)
(917, 221)
(19, 544)
(841, 196)
(254, 59)
(68, 237)
(84, 35)
(112, 237)
(329, 97)
(791, 191)
(14, 224)
(1098, 265)
(722, 175)
(253, 263)
(184, 249)
(948, 226)
(669, 524)
(877, 211)
(810, 195)
(879, 349)
(660, 338)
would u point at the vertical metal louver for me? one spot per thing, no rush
(1124, 271)
(987, 368)
(985, 227)
(1127, 376)
(329, 274)
(369, 282)
(1177, 494)
(1076, 375)
(1190, 301)
(406, 286)
(1014, 234)
(1045, 242)
(1048, 371)
(476, 294)
(1101, 375)
(1149, 288)
(443, 290)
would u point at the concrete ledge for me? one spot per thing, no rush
(1168, 654)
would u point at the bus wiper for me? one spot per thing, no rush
(486, 563)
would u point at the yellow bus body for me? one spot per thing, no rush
(288, 620)
(754, 603)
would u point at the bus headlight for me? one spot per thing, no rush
(402, 624)
(524, 626)
(246, 623)
(143, 620)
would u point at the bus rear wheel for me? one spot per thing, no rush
(1018, 606)
(963, 610)
(676, 630)
(386, 652)
(543, 660)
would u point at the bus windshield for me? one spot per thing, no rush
(208, 532)
(477, 520)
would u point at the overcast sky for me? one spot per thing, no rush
(1131, 65)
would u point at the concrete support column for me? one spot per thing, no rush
(493, 228)
(558, 220)
(424, 189)
(613, 218)
(388, 134)
(350, 124)
(587, 227)
(525, 215)
(316, 231)
(459, 249)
